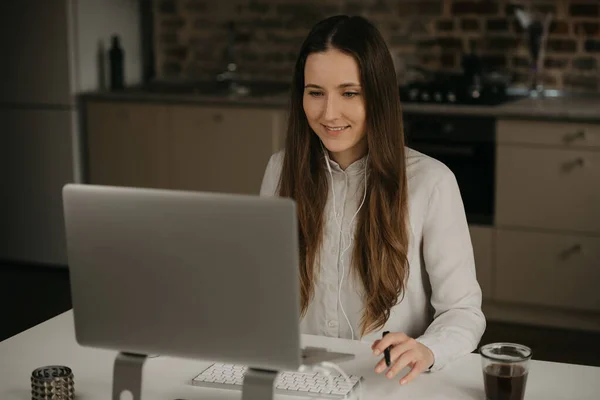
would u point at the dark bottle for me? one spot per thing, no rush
(117, 66)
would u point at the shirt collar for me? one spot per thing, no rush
(357, 167)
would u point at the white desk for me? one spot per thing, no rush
(53, 342)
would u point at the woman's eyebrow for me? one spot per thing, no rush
(342, 85)
(348, 84)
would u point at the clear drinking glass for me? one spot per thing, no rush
(505, 369)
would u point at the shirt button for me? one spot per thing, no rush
(332, 324)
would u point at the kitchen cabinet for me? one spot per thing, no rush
(542, 133)
(128, 144)
(548, 269)
(184, 147)
(482, 239)
(547, 223)
(221, 149)
(548, 188)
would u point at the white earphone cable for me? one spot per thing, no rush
(351, 239)
(325, 368)
(342, 232)
(337, 368)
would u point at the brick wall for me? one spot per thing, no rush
(191, 36)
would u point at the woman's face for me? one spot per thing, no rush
(334, 104)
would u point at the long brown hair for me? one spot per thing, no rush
(380, 254)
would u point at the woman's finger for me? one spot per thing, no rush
(381, 366)
(402, 348)
(396, 351)
(391, 339)
(416, 370)
(405, 359)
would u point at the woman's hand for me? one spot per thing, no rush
(405, 351)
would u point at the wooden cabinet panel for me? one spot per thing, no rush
(128, 144)
(547, 269)
(548, 188)
(570, 134)
(482, 240)
(221, 149)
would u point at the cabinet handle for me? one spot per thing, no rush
(571, 137)
(567, 253)
(218, 117)
(579, 162)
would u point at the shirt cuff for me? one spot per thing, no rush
(434, 343)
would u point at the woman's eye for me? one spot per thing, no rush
(351, 94)
(315, 93)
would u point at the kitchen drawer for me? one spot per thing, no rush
(548, 188)
(482, 240)
(547, 269)
(570, 134)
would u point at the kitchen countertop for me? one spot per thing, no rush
(565, 107)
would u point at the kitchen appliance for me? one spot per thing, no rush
(471, 88)
(466, 145)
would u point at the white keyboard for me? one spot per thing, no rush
(311, 384)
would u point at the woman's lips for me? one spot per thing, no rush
(335, 130)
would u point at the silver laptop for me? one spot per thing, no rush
(186, 274)
(194, 275)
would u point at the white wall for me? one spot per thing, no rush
(96, 21)
(93, 22)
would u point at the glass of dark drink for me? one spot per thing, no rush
(505, 368)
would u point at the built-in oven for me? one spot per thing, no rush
(466, 144)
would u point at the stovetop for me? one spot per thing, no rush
(455, 90)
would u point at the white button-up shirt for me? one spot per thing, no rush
(442, 299)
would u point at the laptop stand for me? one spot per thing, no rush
(127, 376)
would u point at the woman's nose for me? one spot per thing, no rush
(332, 109)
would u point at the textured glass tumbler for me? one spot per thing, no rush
(53, 382)
(505, 369)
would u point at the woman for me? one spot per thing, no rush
(384, 240)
